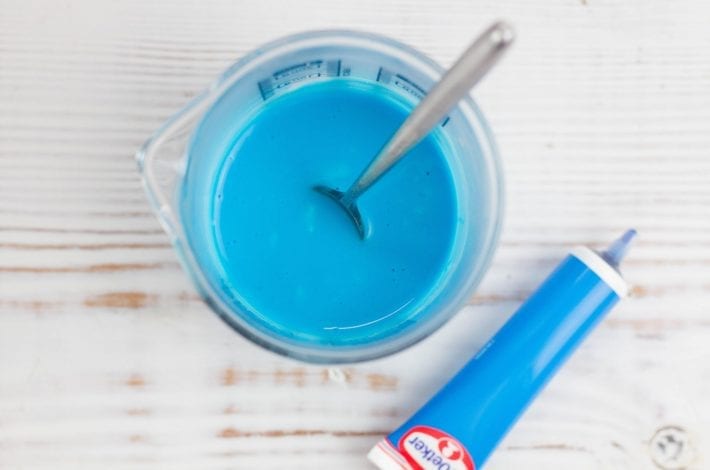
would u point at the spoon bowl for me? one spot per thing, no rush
(349, 205)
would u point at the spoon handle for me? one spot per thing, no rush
(473, 64)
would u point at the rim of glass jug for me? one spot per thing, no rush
(163, 206)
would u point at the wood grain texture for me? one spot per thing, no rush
(108, 359)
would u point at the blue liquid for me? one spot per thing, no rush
(289, 258)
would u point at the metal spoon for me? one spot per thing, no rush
(473, 64)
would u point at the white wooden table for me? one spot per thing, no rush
(109, 360)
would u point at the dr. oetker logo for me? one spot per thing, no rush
(449, 448)
(427, 448)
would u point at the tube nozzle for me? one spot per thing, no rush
(617, 250)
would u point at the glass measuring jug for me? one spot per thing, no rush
(181, 162)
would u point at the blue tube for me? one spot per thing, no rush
(464, 422)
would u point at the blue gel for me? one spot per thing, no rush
(464, 422)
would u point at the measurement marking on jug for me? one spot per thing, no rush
(297, 73)
(387, 77)
(409, 85)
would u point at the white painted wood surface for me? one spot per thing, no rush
(109, 360)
